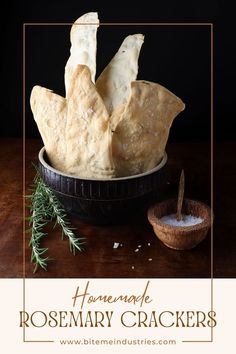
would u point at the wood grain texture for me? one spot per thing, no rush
(100, 259)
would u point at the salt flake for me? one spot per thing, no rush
(116, 245)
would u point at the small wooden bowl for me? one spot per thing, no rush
(176, 237)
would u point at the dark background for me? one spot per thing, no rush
(176, 57)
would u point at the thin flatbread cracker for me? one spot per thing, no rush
(83, 50)
(114, 82)
(49, 112)
(88, 134)
(142, 131)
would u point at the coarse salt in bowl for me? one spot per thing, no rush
(187, 220)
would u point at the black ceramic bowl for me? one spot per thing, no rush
(104, 201)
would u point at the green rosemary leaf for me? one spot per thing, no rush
(44, 206)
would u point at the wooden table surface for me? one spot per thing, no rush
(100, 259)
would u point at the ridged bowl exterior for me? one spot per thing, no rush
(103, 201)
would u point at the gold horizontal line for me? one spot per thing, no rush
(157, 23)
(197, 341)
(39, 341)
(53, 23)
(121, 23)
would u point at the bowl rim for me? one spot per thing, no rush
(149, 172)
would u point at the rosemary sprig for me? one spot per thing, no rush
(44, 207)
(38, 219)
(58, 212)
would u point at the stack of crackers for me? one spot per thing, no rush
(115, 126)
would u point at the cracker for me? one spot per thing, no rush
(142, 131)
(114, 82)
(88, 134)
(83, 50)
(49, 112)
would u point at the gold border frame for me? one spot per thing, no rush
(210, 24)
